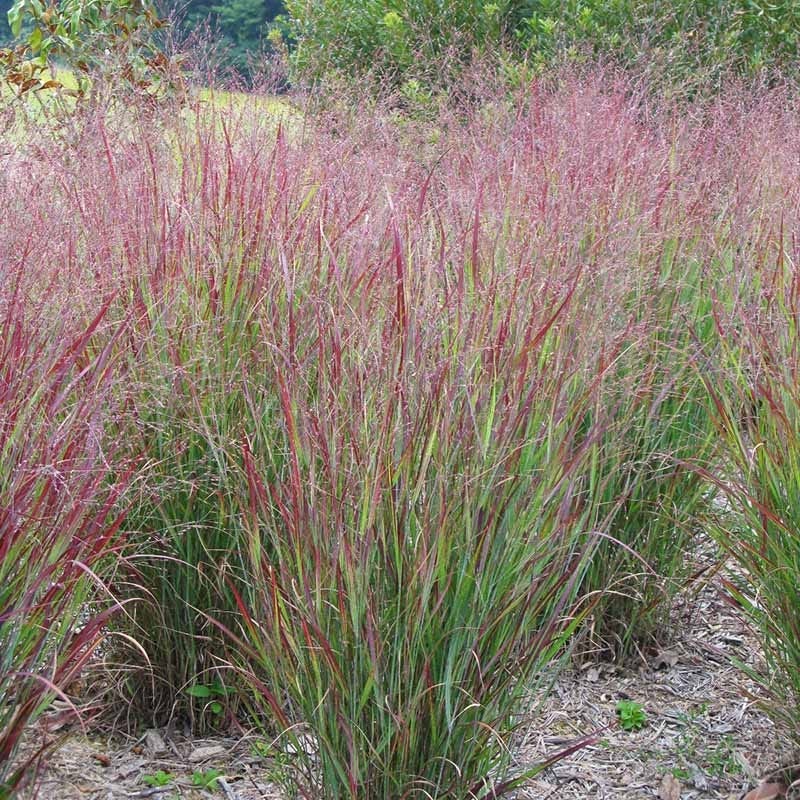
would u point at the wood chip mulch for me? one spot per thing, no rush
(704, 736)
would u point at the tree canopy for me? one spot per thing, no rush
(239, 26)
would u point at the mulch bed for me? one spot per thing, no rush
(704, 736)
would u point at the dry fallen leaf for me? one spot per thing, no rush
(102, 759)
(664, 660)
(154, 743)
(205, 753)
(767, 791)
(670, 788)
(698, 777)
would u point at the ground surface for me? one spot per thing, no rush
(704, 736)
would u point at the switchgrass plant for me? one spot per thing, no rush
(757, 403)
(412, 542)
(649, 501)
(188, 404)
(392, 392)
(203, 324)
(59, 520)
(195, 339)
(643, 480)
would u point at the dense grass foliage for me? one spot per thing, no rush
(58, 511)
(642, 480)
(421, 537)
(757, 407)
(416, 413)
(760, 418)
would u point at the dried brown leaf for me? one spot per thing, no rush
(767, 791)
(665, 659)
(670, 788)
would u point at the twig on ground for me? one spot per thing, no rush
(226, 788)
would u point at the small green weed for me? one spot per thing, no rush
(211, 692)
(159, 778)
(261, 748)
(722, 759)
(631, 715)
(693, 747)
(280, 761)
(206, 779)
(681, 773)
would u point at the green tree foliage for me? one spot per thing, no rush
(240, 26)
(394, 38)
(115, 38)
(695, 40)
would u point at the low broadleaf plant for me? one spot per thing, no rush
(631, 715)
(159, 778)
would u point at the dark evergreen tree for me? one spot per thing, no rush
(5, 31)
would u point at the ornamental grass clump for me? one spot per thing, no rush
(412, 539)
(752, 384)
(60, 519)
(195, 370)
(408, 405)
(186, 543)
(757, 404)
(643, 479)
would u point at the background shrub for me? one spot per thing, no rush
(393, 41)
(689, 47)
(692, 46)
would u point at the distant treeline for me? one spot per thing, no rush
(417, 45)
(239, 26)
